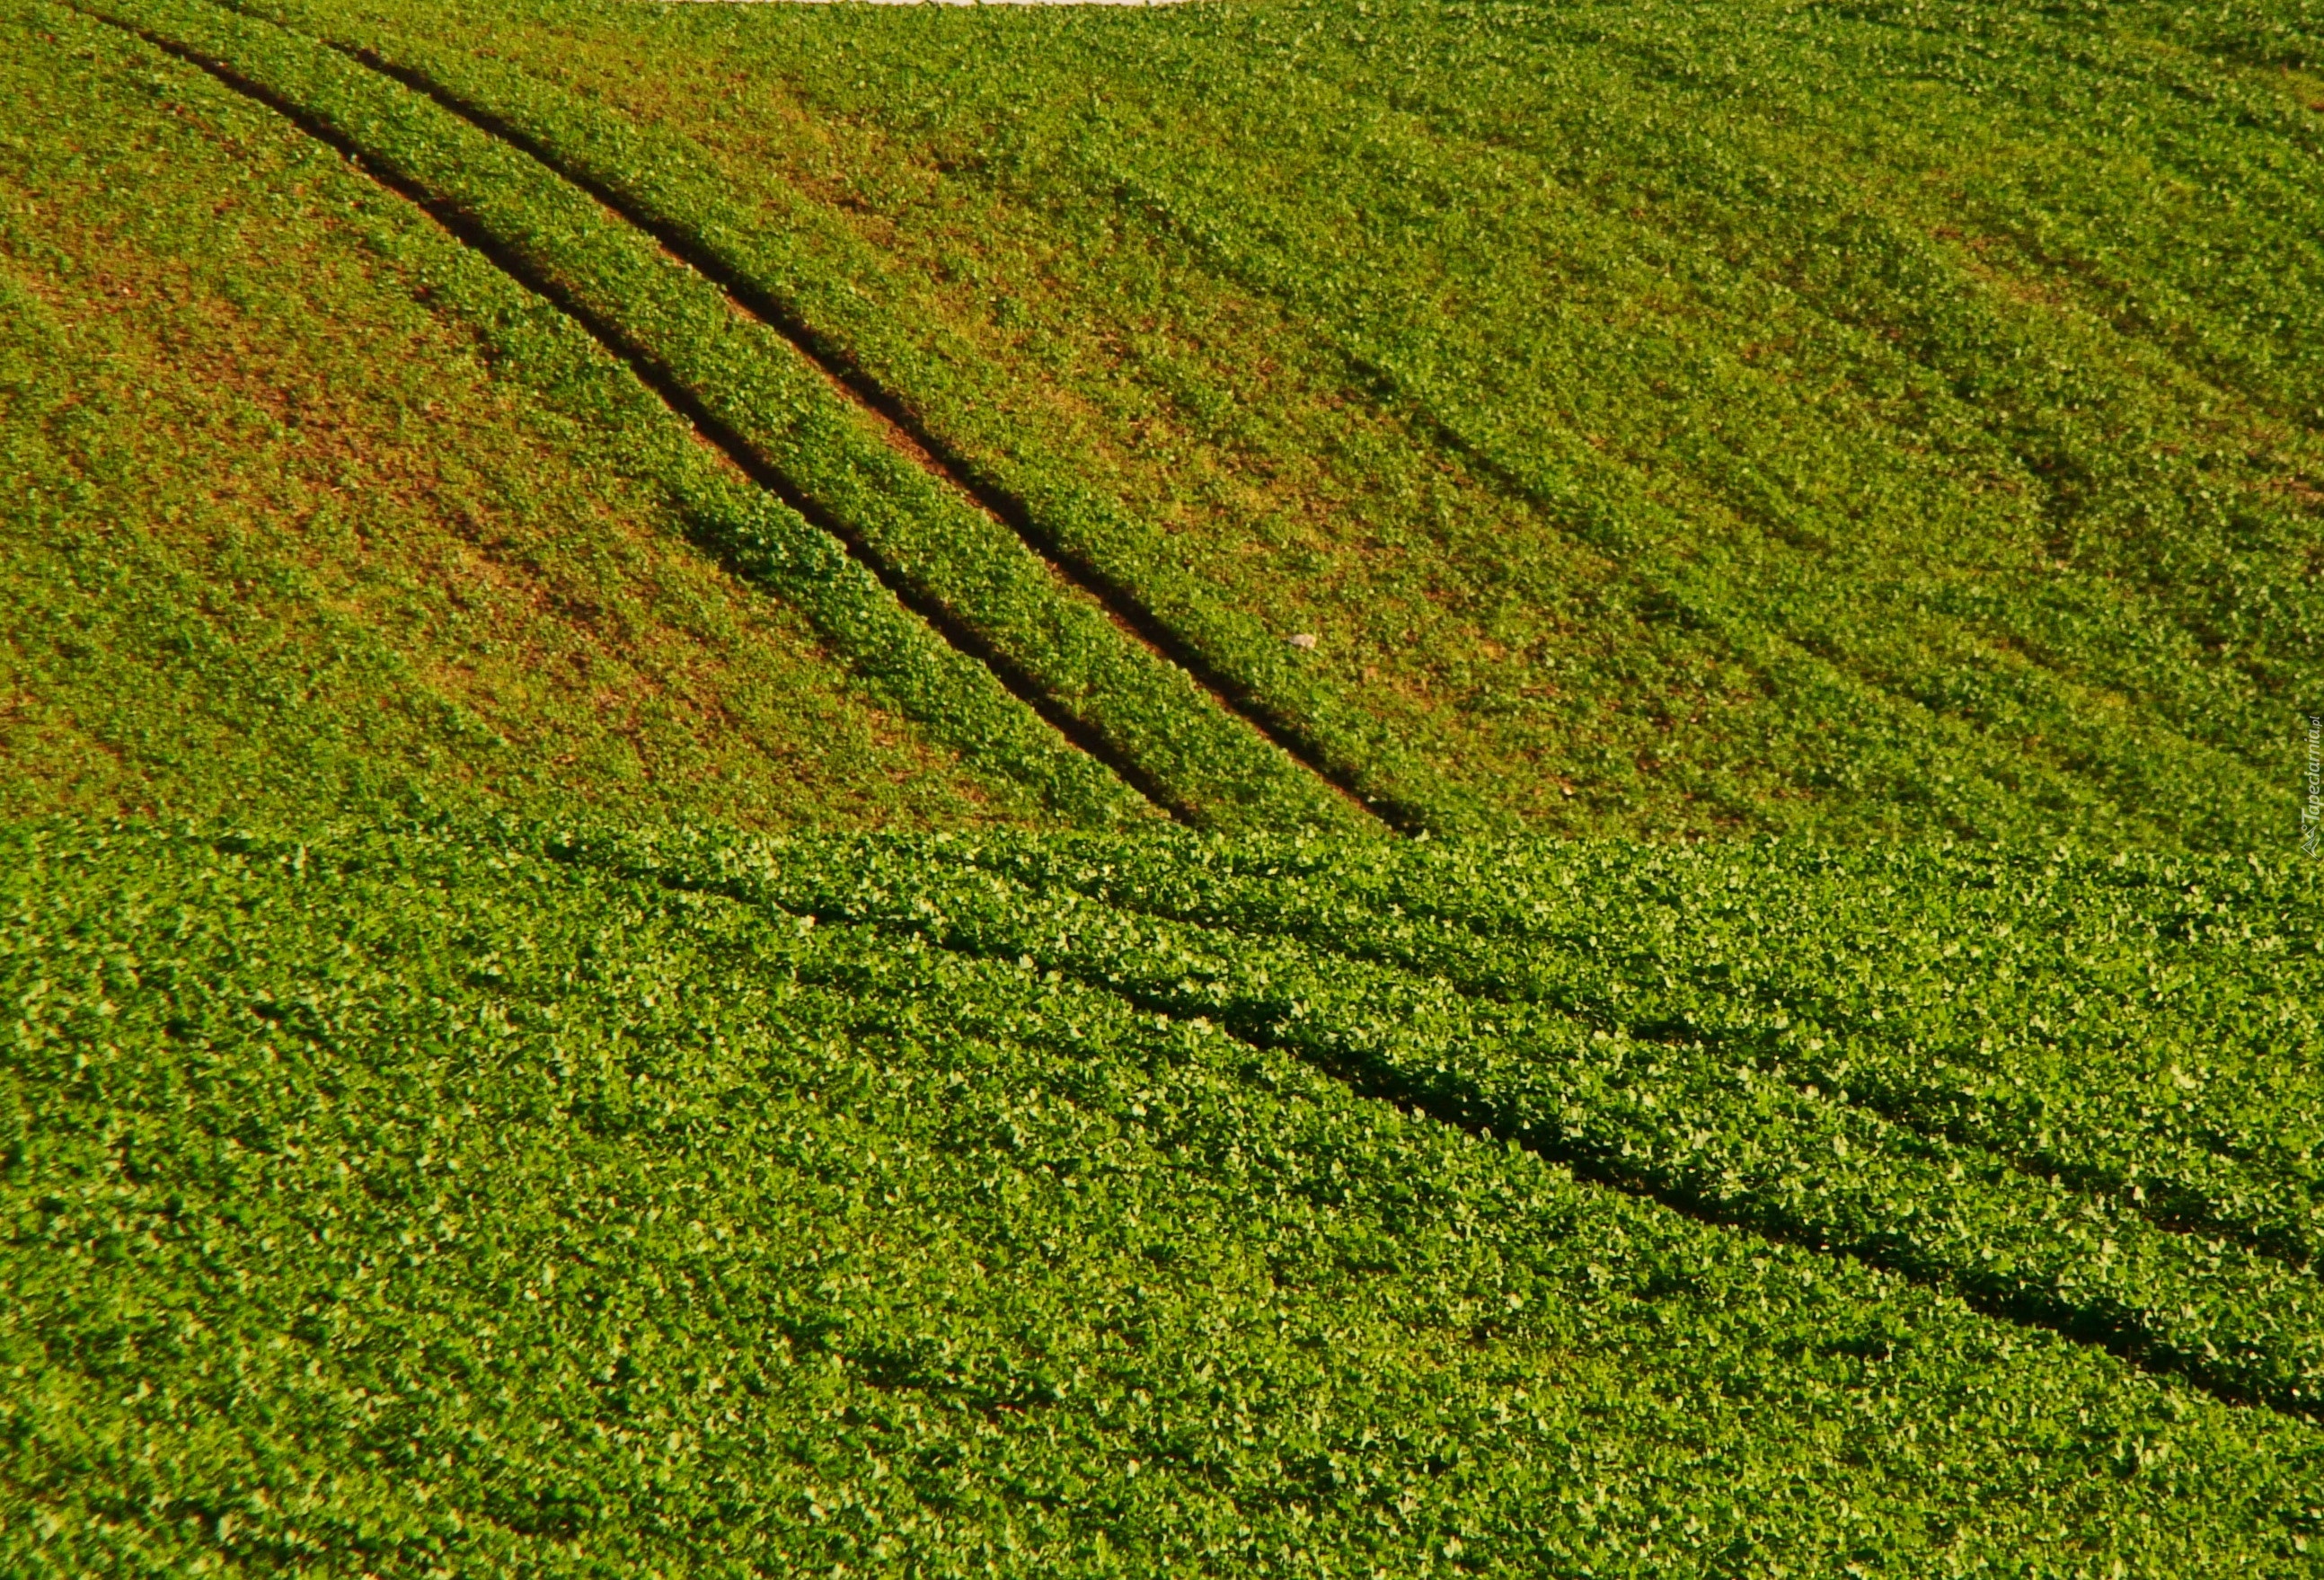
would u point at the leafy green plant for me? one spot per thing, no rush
(748, 383)
(1763, 419)
(1845, 420)
(1777, 1143)
(452, 1197)
(310, 510)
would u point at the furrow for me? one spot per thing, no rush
(1723, 1146)
(1254, 907)
(706, 424)
(910, 437)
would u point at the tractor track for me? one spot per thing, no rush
(1475, 1115)
(910, 436)
(706, 427)
(1364, 1080)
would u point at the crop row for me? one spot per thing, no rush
(406, 1200)
(1685, 331)
(662, 179)
(205, 609)
(2143, 566)
(770, 545)
(2140, 1030)
(1681, 329)
(1887, 302)
(749, 382)
(1682, 1120)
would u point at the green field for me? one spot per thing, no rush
(1263, 788)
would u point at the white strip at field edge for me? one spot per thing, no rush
(952, 3)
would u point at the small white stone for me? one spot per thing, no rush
(1304, 640)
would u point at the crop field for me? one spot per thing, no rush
(1580, 379)
(503, 1199)
(1266, 787)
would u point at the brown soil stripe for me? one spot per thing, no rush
(910, 437)
(706, 427)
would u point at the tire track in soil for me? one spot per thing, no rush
(1363, 1079)
(910, 436)
(1474, 1115)
(706, 427)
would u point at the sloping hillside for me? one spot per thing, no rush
(1270, 788)
(310, 508)
(1851, 417)
(547, 1201)
(1646, 422)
